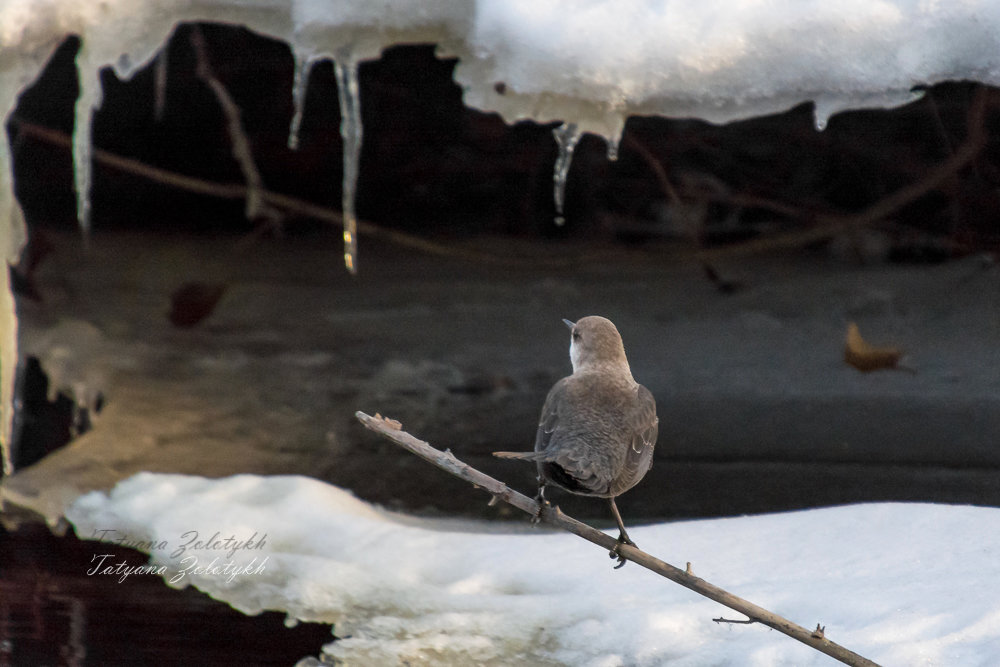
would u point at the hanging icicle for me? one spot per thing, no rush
(303, 64)
(86, 104)
(614, 137)
(567, 135)
(349, 93)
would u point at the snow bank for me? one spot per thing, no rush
(905, 584)
(592, 62)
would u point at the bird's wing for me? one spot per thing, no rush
(549, 420)
(573, 468)
(643, 424)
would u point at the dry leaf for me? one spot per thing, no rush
(391, 423)
(192, 302)
(866, 357)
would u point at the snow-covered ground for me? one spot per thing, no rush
(901, 584)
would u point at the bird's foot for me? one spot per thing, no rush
(543, 506)
(622, 539)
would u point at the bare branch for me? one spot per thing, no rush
(734, 621)
(829, 225)
(234, 126)
(392, 430)
(656, 166)
(290, 204)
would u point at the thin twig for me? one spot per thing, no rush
(392, 430)
(290, 204)
(656, 166)
(242, 152)
(826, 225)
(829, 225)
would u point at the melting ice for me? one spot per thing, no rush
(349, 93)
(567, 135)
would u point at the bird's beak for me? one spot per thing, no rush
(569, 324)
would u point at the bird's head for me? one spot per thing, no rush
(595, 341)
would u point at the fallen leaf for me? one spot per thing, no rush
(193, 302)
(865, 356)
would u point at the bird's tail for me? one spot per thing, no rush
(523, 456)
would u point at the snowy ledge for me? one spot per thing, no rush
(590, 66)
(903, 584)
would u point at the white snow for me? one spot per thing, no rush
(902, 584)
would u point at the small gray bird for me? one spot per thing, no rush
(598, 425)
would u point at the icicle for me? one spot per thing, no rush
(613, 147)
(614, 138)
(567, 135)
(13, 235)
(82, 168)
(8, 332)
(349, 93)
(299, 85)
(822, 110)
(86, 104)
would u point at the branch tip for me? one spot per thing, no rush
(732, 621)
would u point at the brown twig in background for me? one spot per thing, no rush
(735, 621)
(658, 170)
(242, 152)
(284, 202)
(392, 430)
(829, 225)
(825, 225)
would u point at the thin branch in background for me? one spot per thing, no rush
(160, 66)
(288, 203)
(656, 166)
(824, 225)
(242, 152)
(736, 621)
(393, 431)
(676, 203)
(830, 225)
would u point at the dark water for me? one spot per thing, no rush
(53, 613)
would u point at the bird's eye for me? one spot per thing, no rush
(576, 335)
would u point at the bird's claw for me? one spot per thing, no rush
(622, 539)
(543, 506)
